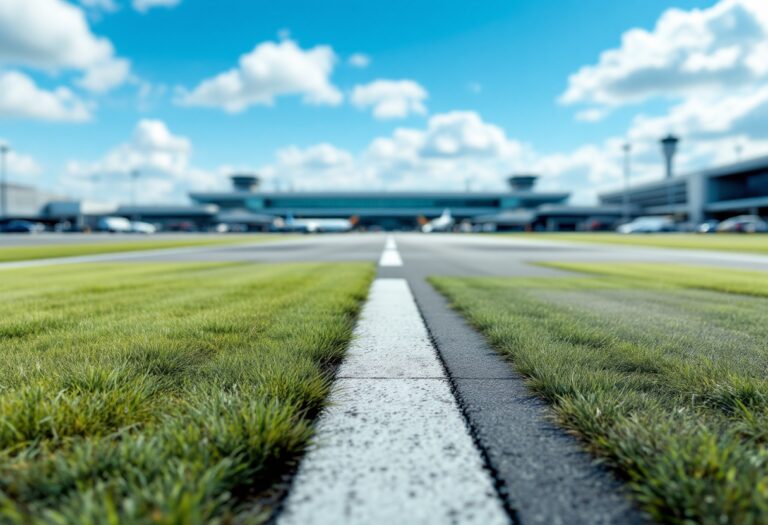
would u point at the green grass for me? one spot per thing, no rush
(50, 251)
(703, 278)
(756, 243)
(164, 393)
(662, 379)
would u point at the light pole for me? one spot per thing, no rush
(134, 177)
(669, 148)
(627, 147)
(4, 149)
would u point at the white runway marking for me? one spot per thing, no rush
(390, 256)
(393, 446)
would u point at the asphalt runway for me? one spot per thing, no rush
(539, 472)
(436, 254)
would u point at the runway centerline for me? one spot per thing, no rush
(393, 446)
(390, 256)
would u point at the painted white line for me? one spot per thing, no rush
(390, 256)
(393, 446)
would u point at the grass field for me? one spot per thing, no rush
(163, 393)
(757, 243)
(663, 379)
(49, 251)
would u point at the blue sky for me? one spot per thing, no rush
(353, 94)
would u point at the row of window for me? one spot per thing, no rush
(331, 203)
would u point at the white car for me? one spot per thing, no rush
(648, 225)
(743, 224)
(114, 225)
(142, 227)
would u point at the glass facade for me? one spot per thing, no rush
(372, 203)
(378, 207)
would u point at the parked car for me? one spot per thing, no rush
(143, 227)
(743, 224)
(19, 226)
(648, 225)
(65, 227)
(708, 226)
(114, 225)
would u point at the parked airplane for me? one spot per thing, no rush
(444, 223)
(315, 225)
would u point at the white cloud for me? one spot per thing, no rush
(359, 60)
(20, 97)
(20, 165)
(321, 156)
(271, 70)
(460, 146)
(391, 98)
(153, 148)
(592, 114)
(712, 66)
(702, 116)
(103, 77)
(450, 149)
(161, 158)
(465, 134)
(688, 52)
(149, 95)
(318, 167)
(142, 6)
(106, 6)
(54, 35)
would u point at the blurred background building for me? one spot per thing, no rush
(716, 193)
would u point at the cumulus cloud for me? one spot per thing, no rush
(20, 165)
(20, 97)
(359, 60)
(61, 39)
(452, 148)
(104, 77)
(106, 6)
(391, 98)
(708, 116)
(318, 167)
(161, 157)
(456, 147)
(711, 67)
(465, 134)
(687, 52)
(271, 70)
(142, 6)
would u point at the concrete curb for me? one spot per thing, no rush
(541, 472)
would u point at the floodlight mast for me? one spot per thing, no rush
(627, 147)
(134, 177)
(4, 149)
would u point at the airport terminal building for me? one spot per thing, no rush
(388, 210)
(717, 193)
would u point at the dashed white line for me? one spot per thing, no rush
(393, 446)
(390, 256)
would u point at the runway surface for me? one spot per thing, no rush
(437, 254)
(539, 473)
